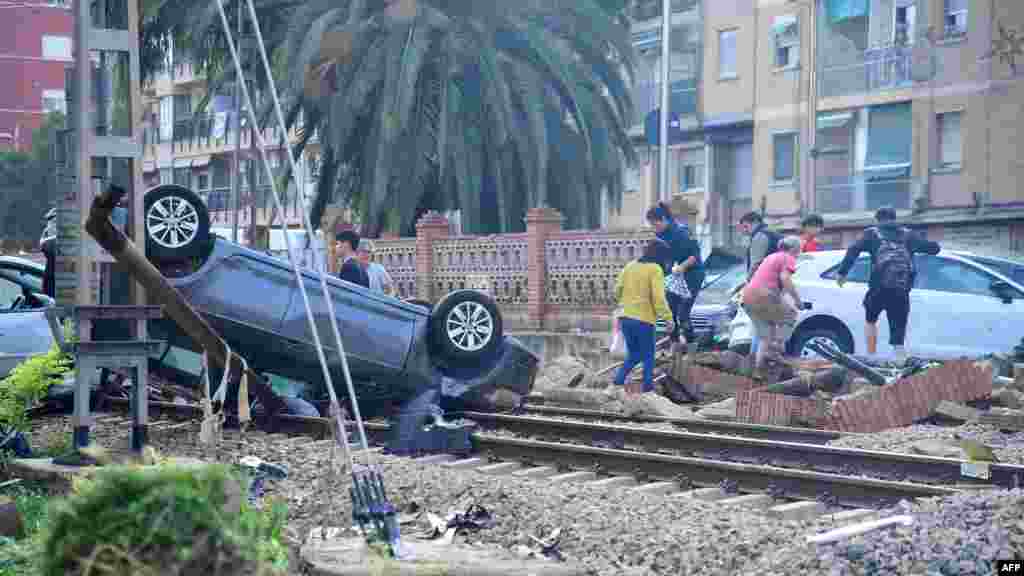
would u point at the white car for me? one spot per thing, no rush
(962, 304)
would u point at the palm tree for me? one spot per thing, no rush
(486, 106)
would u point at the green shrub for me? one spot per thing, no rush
(164, 520)
(28, 383)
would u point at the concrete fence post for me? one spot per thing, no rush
(541, 223)
(431, 226)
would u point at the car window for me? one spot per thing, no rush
(946, 275)
(33, 282)
(720, 290)
(9, 291)
(1009, 268)
(860, 272)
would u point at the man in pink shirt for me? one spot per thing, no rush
(764, 303)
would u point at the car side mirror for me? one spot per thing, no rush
(1003, 290)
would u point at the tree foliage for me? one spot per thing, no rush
(484, 106)
(28, 185)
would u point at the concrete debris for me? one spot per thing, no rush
(652, 404)
(957, 412)
(556, 373)
(1008, 398)
(939, 448)
(724, 410)
(1005, 419)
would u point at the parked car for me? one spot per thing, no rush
(962, 304)
(24, 330)
(395, 349)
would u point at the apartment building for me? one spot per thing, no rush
(840, 107)
(35, 47)
(196, 148)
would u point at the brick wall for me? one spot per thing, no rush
(545, 279)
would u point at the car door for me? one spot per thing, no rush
(23, 332)
(845, 304)
(953, 311)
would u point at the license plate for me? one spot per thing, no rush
(979, 470)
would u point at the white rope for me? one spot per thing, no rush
(212, 424)
(261, 146)
(309, 234)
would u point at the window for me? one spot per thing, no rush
(182, 105)
(59, 3)
(859, 273)
(314, 167)
(631, 180)
(945, 275)
(9, 292)
(204, 181)
(727, 54)
(786, 37)
(950, 140)
(182, 176)
(691, 169)
(55, 101)
(56, 47)
(166, 176)
(1009, 268)
(904, 22)
(955, 18)
(166, 118)
(785, 155)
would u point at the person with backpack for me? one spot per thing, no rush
(891, 248)
(684, 271)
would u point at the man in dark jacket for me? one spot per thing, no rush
(892, 248)
(685, 260)
(351, 270)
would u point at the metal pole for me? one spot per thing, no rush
(663, 193)
(238, 141)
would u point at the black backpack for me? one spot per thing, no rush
(894, 265)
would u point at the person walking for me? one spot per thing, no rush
(810, 227)
(763, 242)
(640, 291)
(891, 248)
(351, 270)
(684, 272)
(763, 301)
(380, 280)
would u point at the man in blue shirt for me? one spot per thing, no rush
(351, 270)
(686, 260)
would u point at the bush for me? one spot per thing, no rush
(28, 383)
(164, 520)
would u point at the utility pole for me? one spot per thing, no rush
(666, 26)
(252, 187)
(238, 140)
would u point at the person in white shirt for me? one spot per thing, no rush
(380, 280)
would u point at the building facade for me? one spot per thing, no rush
(193, 148)
(35, 48)
(839, 107)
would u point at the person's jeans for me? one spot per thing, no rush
(680, 308)
(639, 336)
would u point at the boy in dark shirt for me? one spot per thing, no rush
(351, 270)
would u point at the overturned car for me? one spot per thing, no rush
(402, 355)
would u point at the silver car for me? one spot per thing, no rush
(24, 330)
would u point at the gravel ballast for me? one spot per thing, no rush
(614, 532)
(1008, 447)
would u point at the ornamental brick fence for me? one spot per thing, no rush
(544, 279)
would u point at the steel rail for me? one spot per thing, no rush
(833, 489)
(765, 431)
(721, 447)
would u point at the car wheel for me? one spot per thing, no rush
(803, 338)
(466, 325)
(177, 223)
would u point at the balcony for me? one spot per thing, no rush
(866, 191)
(873, 70)
(682, 99)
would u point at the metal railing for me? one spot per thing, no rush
(887, 68)
(863, 192)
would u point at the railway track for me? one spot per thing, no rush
(708, 466)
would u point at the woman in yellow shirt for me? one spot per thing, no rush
(640, 291)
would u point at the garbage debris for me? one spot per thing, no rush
(15, 442)
(547, 547)
(260, 472)
(858, 529)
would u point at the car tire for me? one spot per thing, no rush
(804, 337)
(466, 326)
(177, 223)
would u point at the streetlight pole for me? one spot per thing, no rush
(663, 193)
(238, 142)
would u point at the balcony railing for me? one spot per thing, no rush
(863, 192)
(876, 70)
(682, 99)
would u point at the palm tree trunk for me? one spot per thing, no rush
(442, 139)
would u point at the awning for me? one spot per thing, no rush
(201, 161)
(828, 121)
